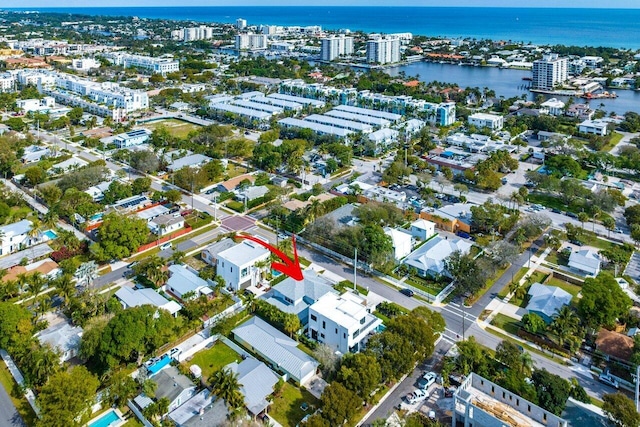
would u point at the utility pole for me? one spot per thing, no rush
(463, 319)
(638, 388)
(355, 267)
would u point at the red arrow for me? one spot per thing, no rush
(290, 267)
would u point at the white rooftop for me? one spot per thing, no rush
(244, 253)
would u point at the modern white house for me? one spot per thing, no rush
(554, 106)
(585, 261)
(422, 229)
(63, 338)
(277, 349)
(130, 297)
(595, 127)
(15, 237)
(341, 321)
(401, 240)
(237, 265)
(429, 259)
(484, 120)
(131, 138)
(183, 281)
(210, 253)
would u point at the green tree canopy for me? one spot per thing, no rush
(339, 404)
(603, 301)
(119, 237)
(620, 410)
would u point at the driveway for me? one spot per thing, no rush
(9, 416)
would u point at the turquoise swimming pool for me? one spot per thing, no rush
(107, 420)
(50, 234)
(97, 217)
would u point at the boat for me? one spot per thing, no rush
(528, 79)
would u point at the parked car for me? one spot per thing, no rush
(556, 210)
(608, 380)
(427, 379)
(463, 234)
(175, 352)
(165, 246)
(417, 396)
(572, 215)
(407, 292)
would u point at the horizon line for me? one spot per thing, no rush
(315, 6)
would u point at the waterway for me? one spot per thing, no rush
(506, 82)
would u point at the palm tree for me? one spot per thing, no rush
(609, 223)
(225, 385)
(66, 288)
(262, 267)
(51, 220)
(36, 229)
(86, 273)
(314, 210)
(36, 284)
(526, 364)
(565, 324)
(583, 217)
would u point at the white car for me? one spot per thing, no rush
(417, 396)
(175, 352)
(426, 380)
(608, 380)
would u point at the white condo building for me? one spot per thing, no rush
(383, 50)
(251, 41)
(193, 33)
(105, 99)
(549, 71)
(336, 46)
(484, 120)
(241, 24)
(161, 65)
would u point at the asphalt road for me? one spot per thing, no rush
(9, 416)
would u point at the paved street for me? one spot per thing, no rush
(9, 416)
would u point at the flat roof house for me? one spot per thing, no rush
(256, 383)
(453, 218)
(183, 280)
(429, 258)
(15, 237)
(479, 402)
(130, 297)
(277, 349)
(585, 261)
(295, 297)
(131, 138)
(237, 265)
(595, 127)
(484, 120)
(341, 321)
(545, 301)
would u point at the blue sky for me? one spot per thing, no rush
(631, 4)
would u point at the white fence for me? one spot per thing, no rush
(17, 376)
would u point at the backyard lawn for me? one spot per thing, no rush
(177, 128)
(286, 408)
(214, 358)
(572, 289)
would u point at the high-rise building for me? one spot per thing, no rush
(336, 46)
(549, 71)
(383, 50)
(241, 24)
(251, 41)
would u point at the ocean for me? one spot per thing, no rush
(619, 28)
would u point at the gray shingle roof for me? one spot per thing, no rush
(171, 383)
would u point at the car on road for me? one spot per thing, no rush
(151, 361)
(426, 380)
(556, 210)
(608, 380)
(416, 396)
(619, 230)
(165, 246)
(175, 352)
(407, 292)
(572, 215)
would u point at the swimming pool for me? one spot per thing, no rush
(97, 217)
(109, 419)
(50, 234)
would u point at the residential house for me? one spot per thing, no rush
(401, 240)
(202, 410)
(251, 193)
(185, 281)
(170, 384)
(453, 218)
(595, 127)
(429, 259)
(237, 265)
(422, 229)
(131, 138)
(130, 297)
(554, 106)
(614, 344)
(585, 261)
(493, 122)
(581, 111)
(97, 191)
(277, 349)
(382, 138)
(15, 237)
(256, 383)
(545, 301)
(210, 253)
(295, 297)
(342, 322)
(479, 402)
(166, 224)
(35, 153)
(192, 161)
(63, 338)
(233, 183)
(132, 204)
(70, 164)
(152, 212)
(47, 267)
